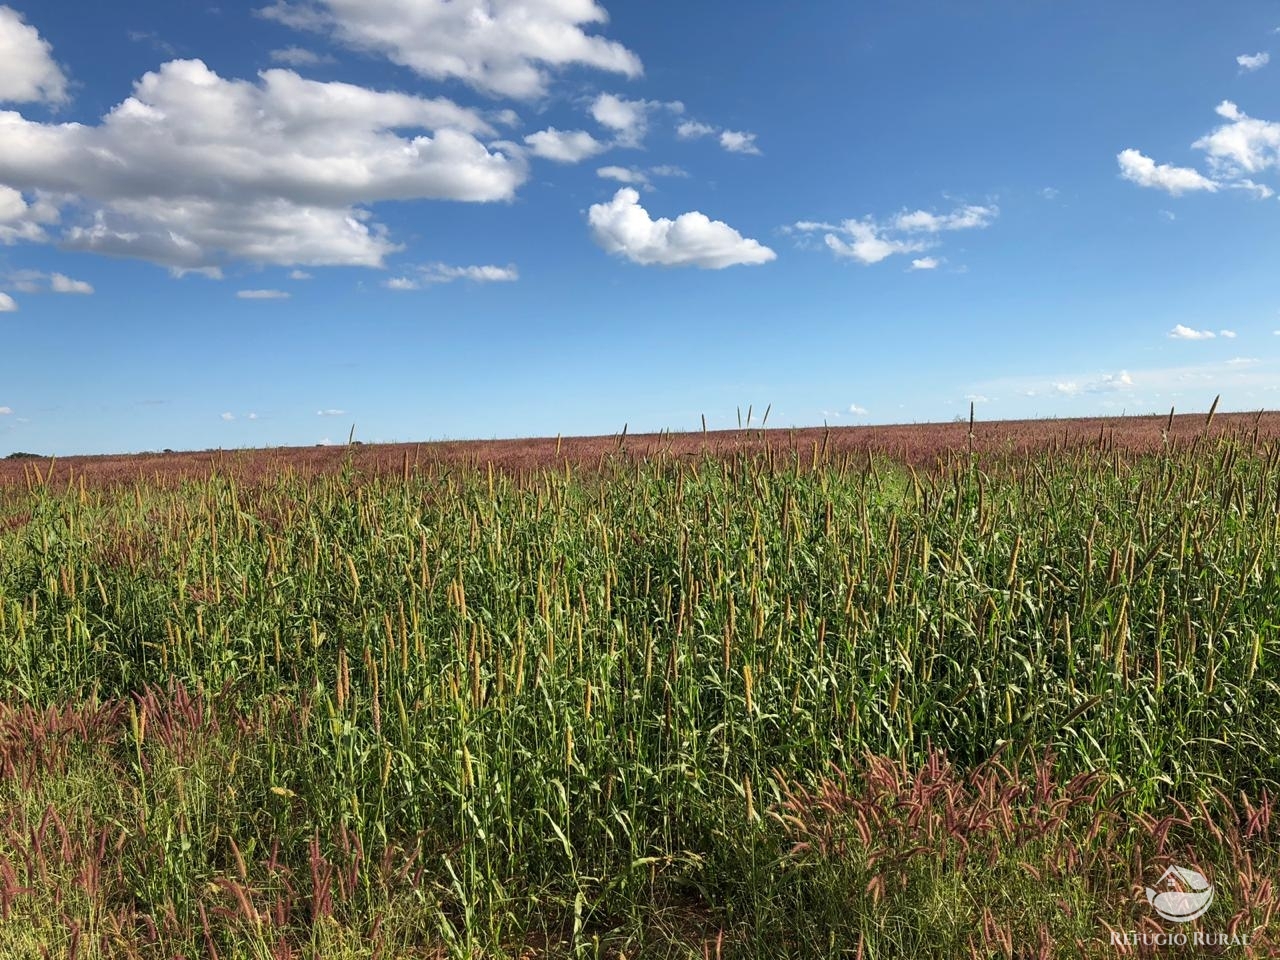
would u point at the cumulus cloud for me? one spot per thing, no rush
(693, 129)
(1227, 334)
(330, 413)
(228, 416)
(863, 241)
(1243, 144)
(628, 119)
(504, 49)
(263, 295)
(7, 304)
(623, 227)
(1253, 61)
(735, 141)
(858, 411)
(1145, 172)
(564, 146)
(299, 275)
(1182, 332)
(5, 411)
(434, 273)
(61, 283)
(23, 220)
(194, 169)
(28, 73)
(1238, 150)
(869, 241)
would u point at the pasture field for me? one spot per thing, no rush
(771, 699)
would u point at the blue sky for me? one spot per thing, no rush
(260, 223)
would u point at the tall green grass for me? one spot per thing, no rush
(570, 712)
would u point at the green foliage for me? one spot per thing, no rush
(571, 700)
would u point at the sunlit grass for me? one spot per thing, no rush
(461, 713)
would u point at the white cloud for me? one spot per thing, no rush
(624, 175)
(868, 241)
(1119, 381)
(228, 417)
(1227, 334)
(1253, 61)
(564, 146)
(263, 295)
(194, 170)
(60, 283)
(622, 226)
(693, 129)
(252, 416)
(1138, 388)
(976, 398)
(636, 176)
(330, 413)
(503, 48)
(1105, 383)
(1243, 144)
(1181, 332)
(1145, 172)
(628, 119)
(736, 141)
(433, 273)
(858, 411)
(299, 275)
(300, 57)
(22, 221)
(6, 411)
(970, 217)
(864, 242)
(7, 304)
(28, 73)
(1260, 191)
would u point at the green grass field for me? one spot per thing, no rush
(759, 707)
